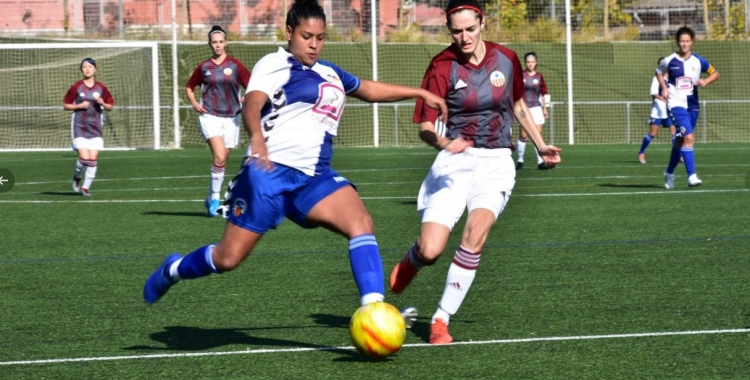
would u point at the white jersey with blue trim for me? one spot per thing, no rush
(303, 111)
(683, 77)
(658, 107)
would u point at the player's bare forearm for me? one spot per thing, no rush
(428, 135)
(373, 92)
(523, 115)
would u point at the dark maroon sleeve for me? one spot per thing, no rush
(435, 81)
(196, 79)
(518, 89)
(71, 95)
(243, 73)
(543, 84)
(106, 95)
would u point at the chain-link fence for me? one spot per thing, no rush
(612, 59)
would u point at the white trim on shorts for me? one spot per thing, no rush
(96, 143)
(538, 115)
(476, 178)
(227, 128)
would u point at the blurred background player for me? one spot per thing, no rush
(480, 81)
(221, 78)
(292, 108)
(683, 70)
(88, 99)
(659, 116)
(534, 94)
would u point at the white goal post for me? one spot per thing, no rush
(37, 76)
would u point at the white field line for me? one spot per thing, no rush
(308, 349)
(354, 151)
(658, 177)
(661, 192)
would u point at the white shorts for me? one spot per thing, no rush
(538, 115)
(96, 143)
(476, 178)
(227, 128)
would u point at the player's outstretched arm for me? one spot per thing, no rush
(374, 92)
(549, 153)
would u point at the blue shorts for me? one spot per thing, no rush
(259, 200)
(684, 120)
(666, 123)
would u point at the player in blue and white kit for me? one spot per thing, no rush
(659, 116)
(292, 109)
(684, 69)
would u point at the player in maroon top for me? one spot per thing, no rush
(534, 94)
(482, 83)
(88, 99)
(221, 79)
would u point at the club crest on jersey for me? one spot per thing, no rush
(227, 71)
(535, 81)
(331, 99)
(497, 79)
(238, 207)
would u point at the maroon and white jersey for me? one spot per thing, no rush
(533, 89)
(480, 97)
(88, 123)
(220, 85)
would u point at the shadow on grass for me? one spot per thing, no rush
(176, 213)
(184, 338)
(64, 193)
(633, 186)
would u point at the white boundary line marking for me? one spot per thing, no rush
(308, 349)
(738, 175)
(660, 192)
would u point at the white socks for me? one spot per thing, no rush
(460, 276)
(217, 179)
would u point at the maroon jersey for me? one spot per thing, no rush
(480, 97)
(220, 85)
(533, 89)
(88, 123)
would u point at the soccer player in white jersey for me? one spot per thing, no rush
(659, 116)
(88, 99)
(482, 83)
(684, 70)
(534, 94)
(221, 78)
(292, 109)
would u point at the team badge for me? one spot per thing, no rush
(96, 95)
(238, 207)
(497, 79)
(227, 71)
(331, 99)
(535, 81)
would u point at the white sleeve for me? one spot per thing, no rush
(655, 87)
(269, 74)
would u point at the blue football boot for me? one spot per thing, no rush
(160, 281)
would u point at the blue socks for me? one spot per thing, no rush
(199, 263)
(646, 140)
(687, 153)
(674, 159)
(367, 268)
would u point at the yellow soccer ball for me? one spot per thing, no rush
(377, 329)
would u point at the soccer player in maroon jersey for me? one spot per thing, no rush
(482, 83)
(88, 99)
(534, 92)
(221, 78)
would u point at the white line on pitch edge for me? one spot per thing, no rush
(302, 349)
(661, 192)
